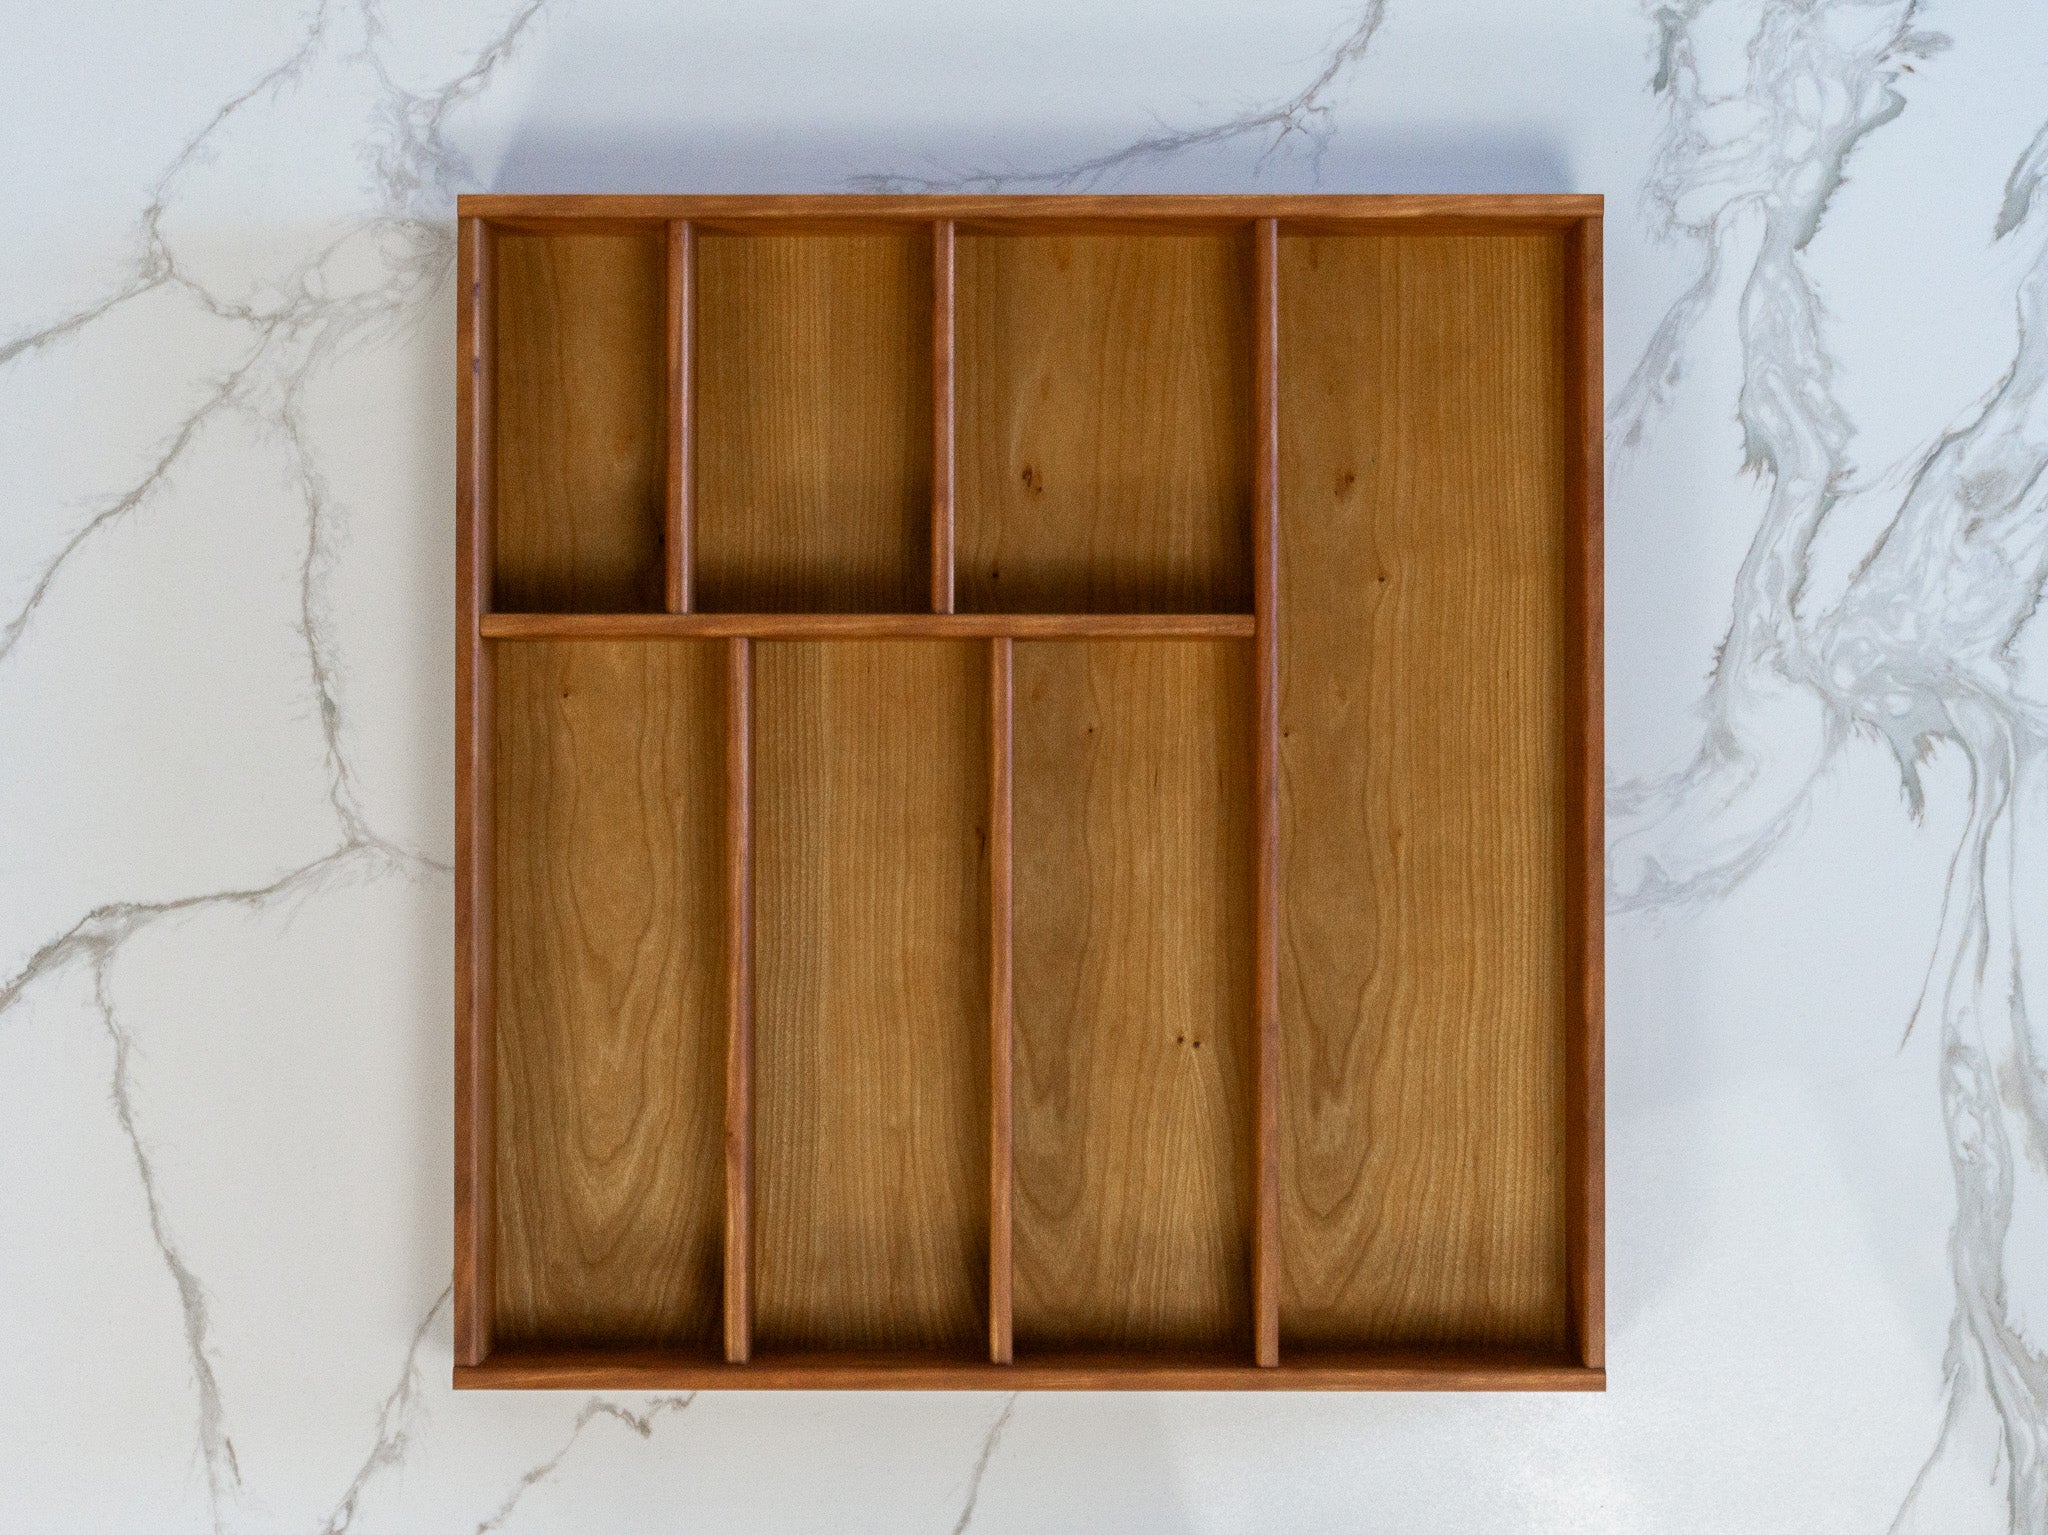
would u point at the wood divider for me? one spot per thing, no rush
(1266, 814)
(1586, 1070)
(943, 458)
(474, 1064)
(1001, 990)
(739, 974)
(679, 519)
(868, 626)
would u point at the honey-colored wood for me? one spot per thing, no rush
(1266, 788)
(943, 461)
(579, 440)
(739, 1000)
(1428, 797)
(475, 1065)
(1586, 1099)
(607, 948)
(1104, 423)
(868, 626)
(1205, 993)
(1065, 1370)
(1133, 1008)
(871, 1066)
(678, 564)
(813, 422)
(1001, 991)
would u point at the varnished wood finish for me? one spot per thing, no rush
(579, 440)
(813, 422)
(871, 1043)
(1428, 795)
(1204, 993)
(1382, 1370)
(474, 1063)
(1104, 434)
(1134, 1053)
(739, 1000)
(1266, 787)
(944, 464)
(678, 564)
(607, 979)
(1586, 1097)
(869, 626)
(1001, 991)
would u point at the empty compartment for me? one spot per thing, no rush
(813, 435)
(610, 993)
(1428, 970)
(871, 1099)
(579, 402)
(1104, 432)
(1134, 1065)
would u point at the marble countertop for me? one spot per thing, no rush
(226, 578)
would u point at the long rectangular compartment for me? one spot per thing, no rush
(1028, 793)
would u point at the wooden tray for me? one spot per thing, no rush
(1029, 792)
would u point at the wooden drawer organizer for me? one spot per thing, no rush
(1029, 792)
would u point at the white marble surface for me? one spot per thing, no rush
(226, 448)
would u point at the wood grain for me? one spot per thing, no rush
(1134, 1054)
(1104, 423)
(609, 997)
(579, 440)
(871, 1121)
(739, 1001)
(814, 422)
(1427, 795)
(678, 563)
(944, 463)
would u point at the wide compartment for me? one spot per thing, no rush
(1429, 790)
(579, 399)
(871, 1035)
(1104, 430)
(1134, 1065)
(610, 996)
(812, 437)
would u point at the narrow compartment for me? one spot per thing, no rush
(579, 399)
(813, 432)
(871, 1052)
(1427, 790)
(609, 980)
(1104, 434)
(1134, 1059)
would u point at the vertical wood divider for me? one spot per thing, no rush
(475, 1064)
(1585, 1095)
(1266, 608)
(943, 462)
(1001, 990)
(679, 521)
(739, 978)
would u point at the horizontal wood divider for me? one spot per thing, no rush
(868, 626)
(654, 1370)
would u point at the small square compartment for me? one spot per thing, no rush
(579, 402)
(1105, 422)
(609, 943)
(1135, 1063)
(813, 421)
(871, 1039)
